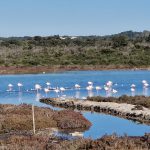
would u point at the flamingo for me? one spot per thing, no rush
(90, 83)
(46, 90)
(133, 85)
(106, 88)
(109, 83)
(132, 89)
(114, 91)
(10, 86)
(144, 81)
(145, 84)
(48, 85)
(77, 86)
(62, 89)
(37, 87)
(89, 88)
(57, 91)
(19, 86)
(98, 88)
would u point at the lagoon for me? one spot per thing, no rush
(102, 124)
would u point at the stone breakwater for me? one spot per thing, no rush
(123, 110)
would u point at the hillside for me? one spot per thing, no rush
(124, 49)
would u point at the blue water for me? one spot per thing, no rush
(102, 124)
(107, 124)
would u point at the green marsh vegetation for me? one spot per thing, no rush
(124, 49)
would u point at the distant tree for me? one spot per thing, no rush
(11, 42)
(148, 38)
(37, 38)
(119, 41)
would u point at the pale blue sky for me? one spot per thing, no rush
(72, 17)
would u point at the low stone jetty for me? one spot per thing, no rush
(123, 110)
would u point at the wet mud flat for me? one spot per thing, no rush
(125, 110)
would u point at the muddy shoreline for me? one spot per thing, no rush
(123, 110)
(62, 68)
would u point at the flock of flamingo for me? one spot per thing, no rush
(108, 87)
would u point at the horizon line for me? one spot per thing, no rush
(67, 35)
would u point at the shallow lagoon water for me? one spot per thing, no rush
(107, 124)
(102, 124)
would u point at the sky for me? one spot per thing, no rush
(72, 17)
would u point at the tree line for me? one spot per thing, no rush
(126, 48)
